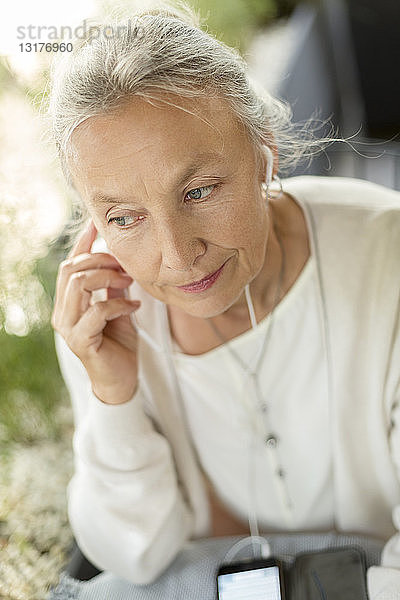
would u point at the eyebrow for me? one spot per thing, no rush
(199, 161)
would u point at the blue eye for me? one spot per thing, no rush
(124, 221)
(198, 193)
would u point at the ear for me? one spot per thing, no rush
(275, 154)
(265, 159)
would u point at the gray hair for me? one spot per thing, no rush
(158, 50)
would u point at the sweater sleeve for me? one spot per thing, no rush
(124, 504)
(384, 581)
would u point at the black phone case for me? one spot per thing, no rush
(336, 574)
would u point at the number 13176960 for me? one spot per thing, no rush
(45, 47)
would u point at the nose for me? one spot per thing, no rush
(179, 246)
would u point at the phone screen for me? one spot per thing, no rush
(254, 584)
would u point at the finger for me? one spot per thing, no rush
(116, 293)
(82, 244)
(92, 260)
(97, 260)
(85, 240)
(80, 287)
(113, 292)
(89, 329)
(122, 331)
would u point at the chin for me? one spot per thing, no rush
(207, 308)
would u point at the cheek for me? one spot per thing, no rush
(251, 239)
(246, 228)
(137, 262)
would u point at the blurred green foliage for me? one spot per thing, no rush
(31, 386)
(234, 21)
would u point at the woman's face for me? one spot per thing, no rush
(177, 197)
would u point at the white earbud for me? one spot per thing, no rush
(270, 166)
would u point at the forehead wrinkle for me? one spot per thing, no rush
(199, 161)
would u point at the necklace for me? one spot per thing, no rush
(271, 439)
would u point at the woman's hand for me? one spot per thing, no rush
(100, 334)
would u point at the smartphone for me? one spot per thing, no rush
(260, 579)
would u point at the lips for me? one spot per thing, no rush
(203, 284)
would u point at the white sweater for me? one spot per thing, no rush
(138, 493)
(261, 447)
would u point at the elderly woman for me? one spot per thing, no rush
(243, 363)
